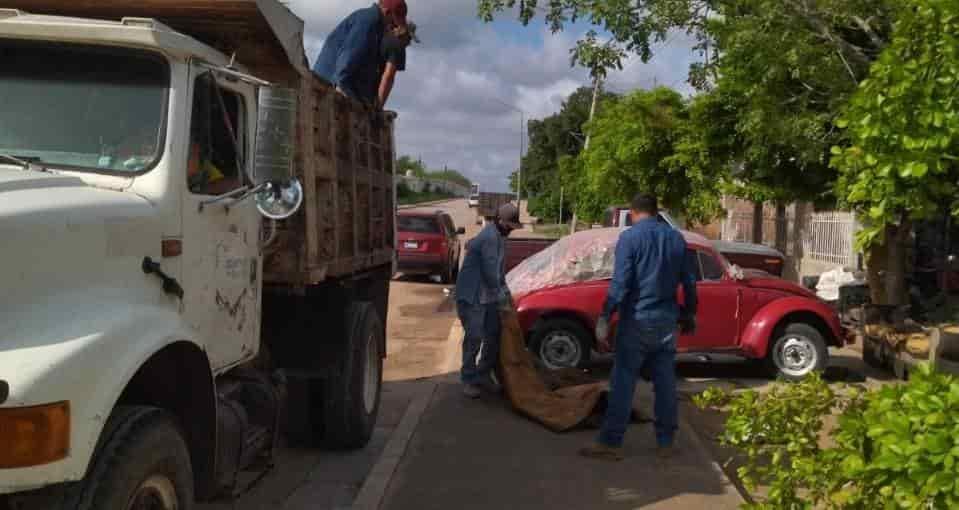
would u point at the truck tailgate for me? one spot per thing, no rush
(520, 249)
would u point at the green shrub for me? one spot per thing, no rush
(895, 447)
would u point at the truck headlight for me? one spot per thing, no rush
(31, 436)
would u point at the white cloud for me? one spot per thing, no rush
(450, 97)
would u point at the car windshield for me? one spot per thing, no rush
(418, 224)
(81, 107)
(583, 256)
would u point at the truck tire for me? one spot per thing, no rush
(141, 463)
(562, 343)
(797, 351)
(352, 396)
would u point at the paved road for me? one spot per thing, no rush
(419, 321)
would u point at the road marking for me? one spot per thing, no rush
(374, 488)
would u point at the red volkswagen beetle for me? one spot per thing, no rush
(559, 294)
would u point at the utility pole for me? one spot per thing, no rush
(560, 217)
(522, 150)
(597, 86)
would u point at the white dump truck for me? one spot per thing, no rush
(196, 243)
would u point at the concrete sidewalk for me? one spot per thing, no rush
(480, 454)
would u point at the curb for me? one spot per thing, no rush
(697, 443)
(374, 488)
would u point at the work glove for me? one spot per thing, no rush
(687, 323)
(602, 334)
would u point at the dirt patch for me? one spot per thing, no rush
(426, 310)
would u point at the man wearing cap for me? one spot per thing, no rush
(481, 292)
(350, 58)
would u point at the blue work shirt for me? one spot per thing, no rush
(351, 55)
(482, 279)
(651, 262)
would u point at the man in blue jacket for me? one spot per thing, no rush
(481, 292)
(651, 263)
(351, 55)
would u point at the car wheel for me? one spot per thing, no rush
(562, 343)
(796, 352)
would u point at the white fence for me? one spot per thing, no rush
(830, 237)
(814, 241)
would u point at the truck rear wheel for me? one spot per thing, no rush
(352, 396)
(141, 463)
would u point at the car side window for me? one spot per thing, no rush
(712, 270)
(213, 165)
(693, 260)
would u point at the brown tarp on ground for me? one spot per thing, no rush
(526, 387)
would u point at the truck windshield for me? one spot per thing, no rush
(81, 107)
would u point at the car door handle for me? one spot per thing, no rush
(170, 285)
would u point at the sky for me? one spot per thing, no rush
(463, 83)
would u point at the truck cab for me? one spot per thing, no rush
(145, 178)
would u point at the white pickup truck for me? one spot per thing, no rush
(198, 239)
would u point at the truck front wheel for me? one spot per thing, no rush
(352, 396)
(141, 463)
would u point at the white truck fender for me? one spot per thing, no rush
(87, 359)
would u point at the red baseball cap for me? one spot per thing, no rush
(397, 8)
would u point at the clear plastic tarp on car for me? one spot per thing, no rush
(583, 256)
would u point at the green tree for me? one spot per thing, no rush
(787, 68)
(449, 175)
(903, 125)
(407, 164)
(646, 142)
(550, 139)
(784, 67)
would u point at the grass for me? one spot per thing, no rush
(411, 197)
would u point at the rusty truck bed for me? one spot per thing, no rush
(345, 151)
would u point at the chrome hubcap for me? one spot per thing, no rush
(796, 357)
(371, 375)
(560, 350)
(156, 493)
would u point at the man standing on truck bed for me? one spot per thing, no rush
(351, 56)
(480, 291)
(393, 58)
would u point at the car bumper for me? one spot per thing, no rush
(420, 263)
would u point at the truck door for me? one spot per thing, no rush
(221, 259)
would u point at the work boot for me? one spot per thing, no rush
(602, 452)
(489, 386)
(471, 391)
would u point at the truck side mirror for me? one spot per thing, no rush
(278, 193)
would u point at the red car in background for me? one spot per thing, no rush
(428, 244)
(559, 294)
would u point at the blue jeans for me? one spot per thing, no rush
(482, 328)
(638, 345)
